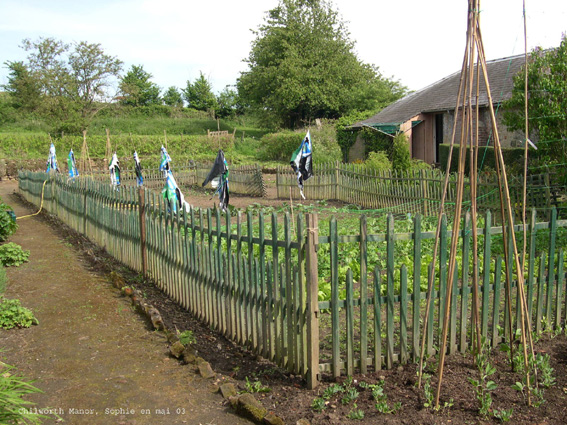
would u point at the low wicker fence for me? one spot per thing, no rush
(417, 191)
(244, 179)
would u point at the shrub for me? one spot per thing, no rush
(14, 315)
(378, 161)
(7, 223)
(418, 164)
(12, 254)
(280, 146)
(401, 157)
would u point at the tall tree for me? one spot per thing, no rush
(547, 104)
(92, 70)
(24, 89)
(71, 80)
(137, 89)
(227, 101)
(199, 95)
(302, 66)
(172, 97)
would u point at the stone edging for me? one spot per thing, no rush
(245, 405)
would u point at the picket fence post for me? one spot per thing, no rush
(312, 301)
(143, 251)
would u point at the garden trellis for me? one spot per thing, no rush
(247, 277)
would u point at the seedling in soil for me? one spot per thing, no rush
(186, 338)
(483, 386)
(356, 413)
(380, 397)
(255, 387)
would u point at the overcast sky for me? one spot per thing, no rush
(413, 41)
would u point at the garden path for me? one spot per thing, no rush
(94, 358)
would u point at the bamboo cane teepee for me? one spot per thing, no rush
(473, 74)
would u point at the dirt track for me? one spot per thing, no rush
(96, 360)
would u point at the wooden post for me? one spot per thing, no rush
(336, 182)
(142, 208)
(108, 153)
(425, 193)
(312, 301)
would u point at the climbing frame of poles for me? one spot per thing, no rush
(473, 74)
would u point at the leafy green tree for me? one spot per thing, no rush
(172, 97)
(199, 94)
(24, 89)
(92, 71)
(227, 103)
(547, 106)
(137, 89)
(64, 82)
(302, 66)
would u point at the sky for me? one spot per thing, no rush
(412, 41)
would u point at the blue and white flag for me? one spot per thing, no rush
(73, 172)
(138, 168)
(302, 162)
(52, 159)
(114, 168)
(173, 196)
(164, 163)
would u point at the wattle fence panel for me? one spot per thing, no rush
(414, 191)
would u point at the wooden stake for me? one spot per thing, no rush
(312, 301)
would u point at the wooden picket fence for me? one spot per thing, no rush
(240, 276)
(243, 179)
(414, 191)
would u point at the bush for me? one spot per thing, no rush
(14, 315)
(280, 146)
(12, 254)
(418, 164)
(7, 223)
(378, 161)
(401, 157)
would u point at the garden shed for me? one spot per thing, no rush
(427, 115)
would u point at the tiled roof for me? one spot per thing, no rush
(442, 95)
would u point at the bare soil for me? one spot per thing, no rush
(84, 321)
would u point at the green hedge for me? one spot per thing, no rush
(513, 158)
(280, 146)
(36, 146)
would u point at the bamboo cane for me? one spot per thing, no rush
(437, 231)
(525, 318)
(465, 133)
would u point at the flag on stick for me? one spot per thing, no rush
(218, 176)
(165, 160)
(52, 159)
(138, 168)
(73, 172)
(302, 162)
(173, 196)
(114, 168)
